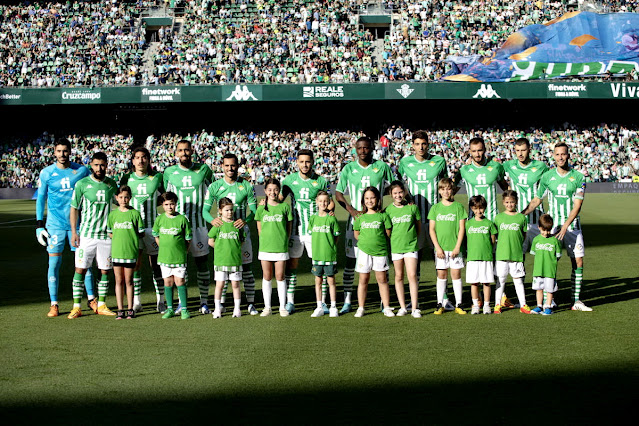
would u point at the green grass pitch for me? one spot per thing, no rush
(572, 367)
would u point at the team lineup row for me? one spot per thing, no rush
(66, 190)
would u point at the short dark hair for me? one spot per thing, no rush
(142, 150)
(100, 156)
(305, 152)
(562, 145)
(185, 141)
(365, 139)
(476, 141)
(230, 155)
(420, 134)
(509, 193)
(124, 188)
(522, 141)
(63, 141)
(545, 222)
(168, 196)
(477, 201)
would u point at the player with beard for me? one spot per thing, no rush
(55, 188)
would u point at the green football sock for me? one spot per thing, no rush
(137, 284)
(182, 296)
(578, 275)
(78, 288)
(168, 295)
(103, 288)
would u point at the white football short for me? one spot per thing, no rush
(272, 257)
(367, 263)
(480, 272)
(297, 244)
(93, 248)
(573, 241)
(546, 284)
(148, 242)
(400, 256)
(200, 242)
(448, 261)
(228, 276)
(247, 247)
(350, 244)
(167, 271)
(533, 231)
(515, 269)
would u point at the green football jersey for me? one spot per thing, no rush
(145, 192)
(404, 236)
(126, 228)
(274, 238)
(482, 180)
(323, 230)
(190, 186)
(372, 233)
(228, 247)
(354, 178)
(94, 198)
(546, 252)
(303, 193)
(562, 192)
(525, 181)
(241, 192)
(173, 232)
(510, 239)
(422, 178)
(479, 245)
(447, 223)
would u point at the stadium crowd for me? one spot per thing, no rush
(51, 44)
(606, 153)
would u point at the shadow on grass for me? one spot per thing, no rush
(583, 397)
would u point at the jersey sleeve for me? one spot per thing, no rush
(259, 214)
(140, 223)
(557, 248)
(493, 228)
(43, 189)
(166, 182)
(208, 175)
(462, 212)
(543, 186)
(581, 188)
(335, 226)
(432, 213)
(357, 224)
(387, 222)
(110, 221)
(188, 233)
(289, 213)
(76, 198)
(416, 213)
(342, 182)
(389, 176)
(251, 202)
(209, 199)
(156, 227)
(213, 232)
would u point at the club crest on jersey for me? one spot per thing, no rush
(490, 169)
(432, 163)
(241, 188)
(375, 170)
(74, 171)
(534, 169)
(571, 179)
(314, 183)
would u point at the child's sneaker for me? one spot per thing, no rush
(161, 307)
(547, 311)
(359, 313)
(487, 310)
(130, 314)
(402, 312)
(290, 307)
(237, 312)
(252, 310)
(580, 306)
(439, 309)
(536, 310)
(460, 309)
(388, 312)
(120, 315)
(318, 312)
(416, 313)
(497, 309)
(204, 309)
(266, 312)
(474, 310)
(185, 314)
(525, 309)
(345, 309)
(326, 310)
(333, 313)
(284, 312)
(217, 314)
(169, 313)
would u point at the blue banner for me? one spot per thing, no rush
(576, 44)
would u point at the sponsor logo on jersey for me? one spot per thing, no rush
(322, 228)
(54, 174)
(486, 91)
(402, 219)
(169, 231)
(478, 230)
(123, 225)
(450, 217)
(544, 246)
(371, 225)
(295, 182)
(355, 171)
(89, 186)
(509, 227)
(273, 218)
(229, 235)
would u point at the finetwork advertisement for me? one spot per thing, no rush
(173, 94)
(567, 90)
(80, 96)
